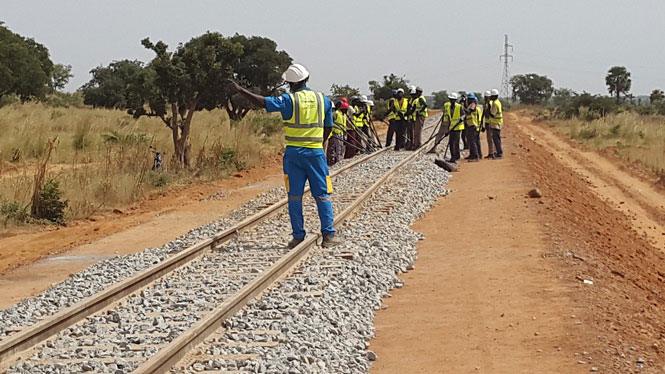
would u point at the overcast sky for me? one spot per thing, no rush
(436, 44)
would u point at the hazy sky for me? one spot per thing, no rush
(436, 44)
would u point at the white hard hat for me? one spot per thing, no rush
(453, 96)
(295, 73)
(494, 92)
(370, 103)
(413, 89)
(487, 93)
(363, 98)
(400, 90)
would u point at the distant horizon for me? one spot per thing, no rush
(559, 41)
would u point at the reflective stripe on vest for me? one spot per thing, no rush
(495, 119)
(305, 127)
(453, 121)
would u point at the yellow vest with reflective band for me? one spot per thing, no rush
(473, 118)
(339, 123)
(359, 119)
(420, 107)
(495, 117)
(453, 121)
(305, 127)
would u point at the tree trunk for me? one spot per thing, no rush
(180, 130)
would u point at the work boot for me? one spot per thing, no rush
(329, 241)
(294, 243)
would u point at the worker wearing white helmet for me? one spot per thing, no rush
(417, 114)
(495, 122)
(399, 109)
(452, 124)
(484, 127)
(308, 121)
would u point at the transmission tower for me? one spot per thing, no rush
(506, 57)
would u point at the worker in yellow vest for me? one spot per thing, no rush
(473, 118)
(485, 126)
(336, 146)
(418, 113)
(400, 106)
(392, 118)
(308, 121)
(495, 122)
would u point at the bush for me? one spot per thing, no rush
(158, 179)
(51, 206)
(13, 211)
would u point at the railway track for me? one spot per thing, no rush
(166, 309)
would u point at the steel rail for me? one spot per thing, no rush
(42, 330)
(174, 351)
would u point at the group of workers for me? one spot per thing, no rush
(464, 119)
(313, 126)
(353, 128)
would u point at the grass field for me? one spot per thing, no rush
(103, 157)
(633, 137)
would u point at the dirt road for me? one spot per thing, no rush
(499, 283)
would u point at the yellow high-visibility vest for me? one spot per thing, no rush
(398, 106)
(454, 119)
(420, 107)
(359, 118)
(475, 117)
(495, 116)
(305, 127)
(339, 123)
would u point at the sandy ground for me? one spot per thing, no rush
(498, 285)
(32, 262)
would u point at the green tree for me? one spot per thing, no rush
(383, 90)
(440, 97)
(531, 88)
(656, 96)
(260, 67)
(618, 81)
(115, 86)
(60, 76)
(337, 90)
(185, 81)
(25, 66)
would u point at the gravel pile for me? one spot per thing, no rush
(121, 337)
(320, 319)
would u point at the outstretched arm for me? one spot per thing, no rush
(257, 100)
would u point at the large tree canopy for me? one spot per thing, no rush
(193, 77)
(25, 66)
(531, 88)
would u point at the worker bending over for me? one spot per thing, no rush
(308, 121)
(495, 122)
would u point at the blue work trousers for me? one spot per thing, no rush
(308, 164)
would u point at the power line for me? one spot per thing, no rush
(506, 58)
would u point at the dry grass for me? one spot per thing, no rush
(636, 138)
(103, 157)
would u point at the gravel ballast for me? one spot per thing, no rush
(320, 319)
